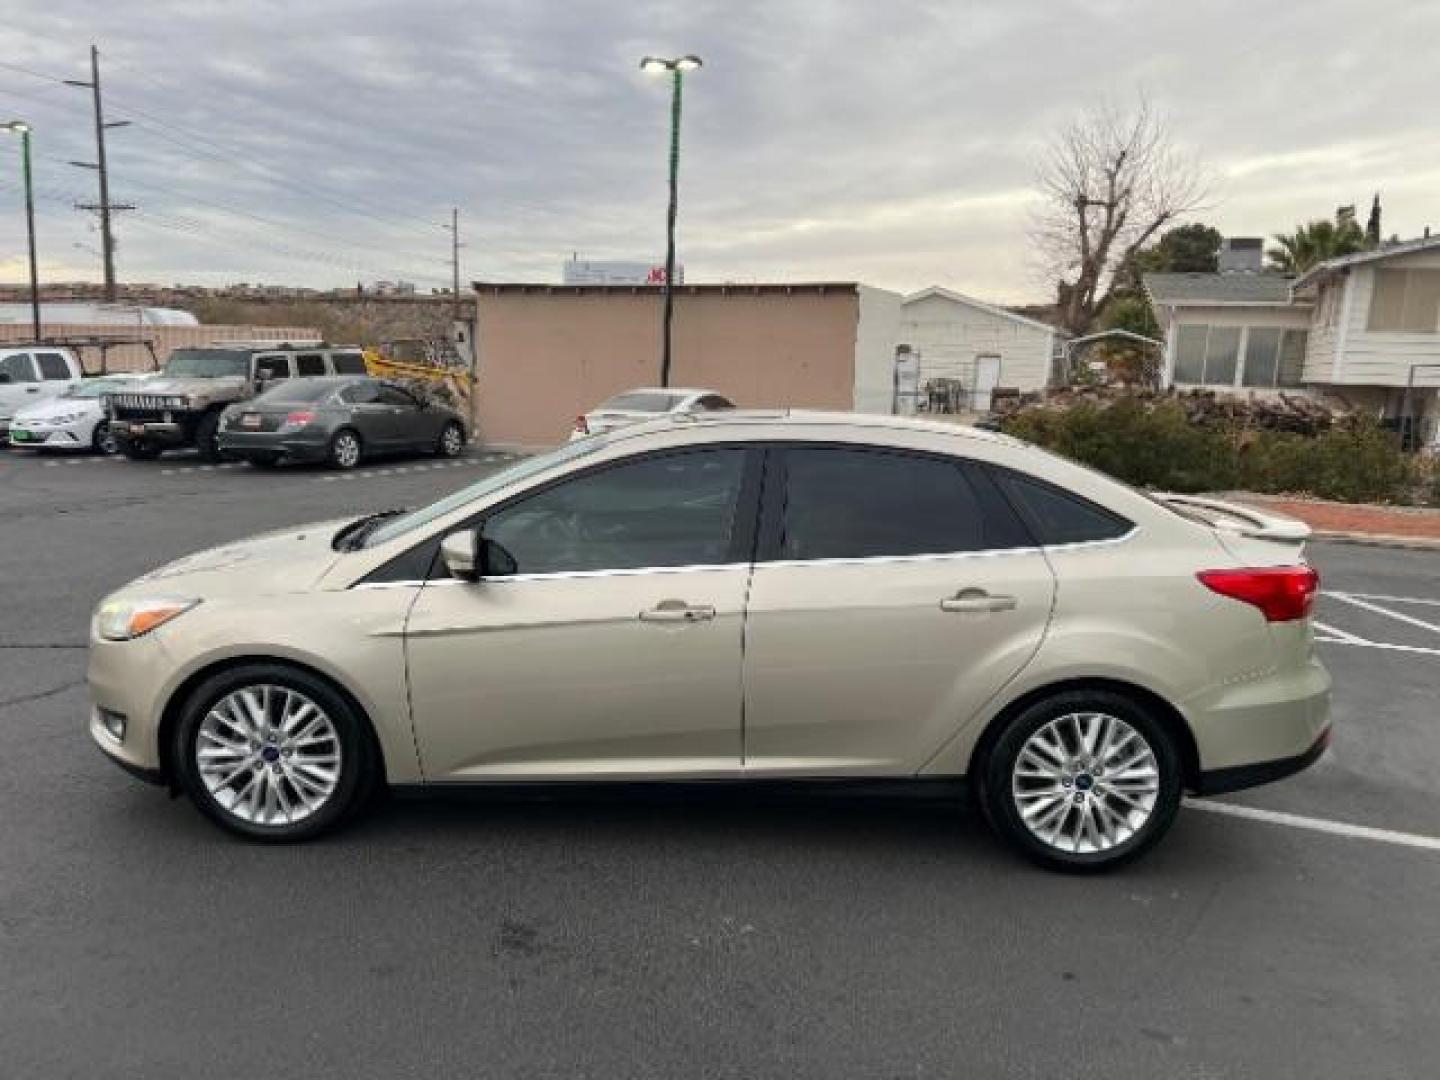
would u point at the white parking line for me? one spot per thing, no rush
(1398, 616)
(1336, 634)
(1392, 599)
(1321, 825)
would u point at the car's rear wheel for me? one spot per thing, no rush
(272, 753)
(139, 451)
(1083, 781)
(345, 449)
(103, 441)
(452, 441)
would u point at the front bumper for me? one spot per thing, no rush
(50, 438)
(130, 678)
(153, 432)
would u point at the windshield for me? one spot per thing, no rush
(94, 388)
(521, 470)
(656, 401)
(207, 363)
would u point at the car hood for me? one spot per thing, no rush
(57, 406)
(227, 385)
(285, 561)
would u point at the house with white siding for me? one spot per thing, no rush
(1363, 329)
(966, 348)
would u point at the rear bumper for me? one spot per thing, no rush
(1219, 781)
(271, 446)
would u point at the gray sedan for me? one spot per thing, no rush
(338, 420)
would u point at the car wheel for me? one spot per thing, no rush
(1082, 781)
(452, 441)
(207, 439)
(272, 753)
(345, 449)
(140, 451)
(103, 441)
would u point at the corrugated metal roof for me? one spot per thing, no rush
(1200, 289)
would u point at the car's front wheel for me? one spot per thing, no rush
(1083, 780)
(272, 753)
(104, 440)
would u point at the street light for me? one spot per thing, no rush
(677, 68)
(19, 127)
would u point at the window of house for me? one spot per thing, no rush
(1406, 300)
(1292, 358)
(1222, 353)
(1262, 356)
(1190, 354)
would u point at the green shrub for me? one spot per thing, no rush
(1153, 443)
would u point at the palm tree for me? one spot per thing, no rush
(1316, 242)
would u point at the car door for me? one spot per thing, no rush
(20, 387)
(611, 648)
(896, 593)
(406, 423)
(56, 373)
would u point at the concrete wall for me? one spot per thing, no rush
(949, 334)
(136, 357)
(547, 355)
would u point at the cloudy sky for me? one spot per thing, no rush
(321, 142)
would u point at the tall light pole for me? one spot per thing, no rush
(19, 127)
(677, 68)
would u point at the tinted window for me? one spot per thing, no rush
(18, 367)
(850, 504)
(1059, 517)
(642, 401)
(301, 390)
(310, 364)
(396, 399)
(52, 366)
(272, 367)
(348, 363)
(669, 510)
(714, 401)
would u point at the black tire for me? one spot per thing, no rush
(451, 443)
(339, 454)
(207, 437)
(103, 441)
(139, 451)
(998, 782)
(358, 769)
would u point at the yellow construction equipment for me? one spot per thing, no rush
(459, 381)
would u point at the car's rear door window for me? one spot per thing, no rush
(1056, 516)
(664, 510)
(858, 503)
(53, 367)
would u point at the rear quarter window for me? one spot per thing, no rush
(1057, 516)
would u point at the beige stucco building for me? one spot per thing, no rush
(546, 353)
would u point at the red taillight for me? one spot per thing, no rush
(581, 427)
(299, 418)
(1282, 593)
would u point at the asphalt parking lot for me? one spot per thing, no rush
(1289, 931)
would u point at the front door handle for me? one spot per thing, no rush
(977, 600)
(675, 611)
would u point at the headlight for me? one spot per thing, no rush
(66, 418)
(121, 620)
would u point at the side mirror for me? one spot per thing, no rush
(469, 555)
(459, 551)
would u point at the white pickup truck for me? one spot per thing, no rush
(31, 373)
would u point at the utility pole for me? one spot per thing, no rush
(455, 258)
(104, 207)
(19, 127)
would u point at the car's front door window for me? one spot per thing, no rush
(661, 511)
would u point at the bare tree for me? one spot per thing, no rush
(1111, 181)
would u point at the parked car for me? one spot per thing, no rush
(742, 597)
(633, 406)
(73, 420)
(340, 420)
(183, 407)
(32, 373)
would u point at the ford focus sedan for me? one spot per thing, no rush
(741, 599)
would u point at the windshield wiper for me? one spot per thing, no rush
(351, 536)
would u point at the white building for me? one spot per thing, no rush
(1362, 328)
(968, 348)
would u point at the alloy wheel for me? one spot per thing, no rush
(268, 755)
(346, 450)
(1086, 782)
(105, 440)
(452, 441)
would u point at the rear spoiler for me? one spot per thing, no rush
(1235, 518)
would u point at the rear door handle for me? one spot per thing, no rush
(677, 611)
(977, 600)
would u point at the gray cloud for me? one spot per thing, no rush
(324, 142)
